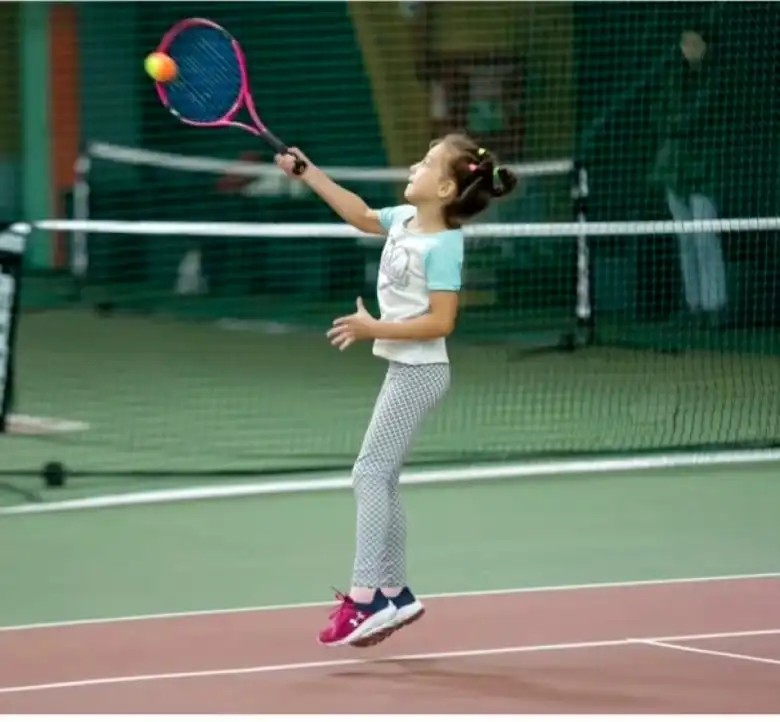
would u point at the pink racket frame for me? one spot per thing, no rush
(244, 96)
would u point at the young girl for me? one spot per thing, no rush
(417, 289)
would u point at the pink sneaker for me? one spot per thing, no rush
(351, 621)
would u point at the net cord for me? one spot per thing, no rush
(518, 231)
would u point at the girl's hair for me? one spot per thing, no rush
(478, 177)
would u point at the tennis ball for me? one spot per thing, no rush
(160, 67)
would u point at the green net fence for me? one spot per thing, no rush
(625, 300)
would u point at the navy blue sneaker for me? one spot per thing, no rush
(408, 609)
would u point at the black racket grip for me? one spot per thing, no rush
(279, 147)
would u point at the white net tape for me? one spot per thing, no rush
(339, 230)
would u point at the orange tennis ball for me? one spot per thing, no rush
(160, 67)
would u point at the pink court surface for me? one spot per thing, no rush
(678, 646)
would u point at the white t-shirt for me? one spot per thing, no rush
(412, 265)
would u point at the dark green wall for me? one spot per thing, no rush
(619, 48)
(623, 52)
(10, 122)
(111, 78)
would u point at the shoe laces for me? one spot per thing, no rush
(345, 602)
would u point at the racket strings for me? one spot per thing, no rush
(210, 80)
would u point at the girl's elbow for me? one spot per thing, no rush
(446, 327)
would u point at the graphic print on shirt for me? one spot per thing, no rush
(397, 266)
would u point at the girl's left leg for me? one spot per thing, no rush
(408, 394)
(393, 585)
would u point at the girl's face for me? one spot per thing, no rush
(429, 179)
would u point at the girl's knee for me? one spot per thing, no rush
(368, 475)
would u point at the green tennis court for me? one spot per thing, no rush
(593, 510)
(627, 562)
(290, 549)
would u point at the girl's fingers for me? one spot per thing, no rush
(337, 329)
(336, 335)
(342, 340)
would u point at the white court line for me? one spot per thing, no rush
(710, 652)
(352, 662)
(442, 595)
(251, 486)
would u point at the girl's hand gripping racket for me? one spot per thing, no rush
(211, 83)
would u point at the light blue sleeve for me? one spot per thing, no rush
(444, 263)
(392, 214)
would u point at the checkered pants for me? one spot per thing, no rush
(407, 395)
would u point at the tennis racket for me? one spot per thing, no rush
(212, 83)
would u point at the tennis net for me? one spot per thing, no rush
(212, 383)
(119, 182)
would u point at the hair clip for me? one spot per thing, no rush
(498, 181)
(472, 167)
(481, 152)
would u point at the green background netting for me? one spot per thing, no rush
(241, 380)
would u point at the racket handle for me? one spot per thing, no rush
(299, 166)
(279, 147)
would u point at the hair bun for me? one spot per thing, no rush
(483, 172)
(502, 181)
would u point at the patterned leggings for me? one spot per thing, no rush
(407, 395)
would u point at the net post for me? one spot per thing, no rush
(79, 250)
(585, 327)
(12, 244)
